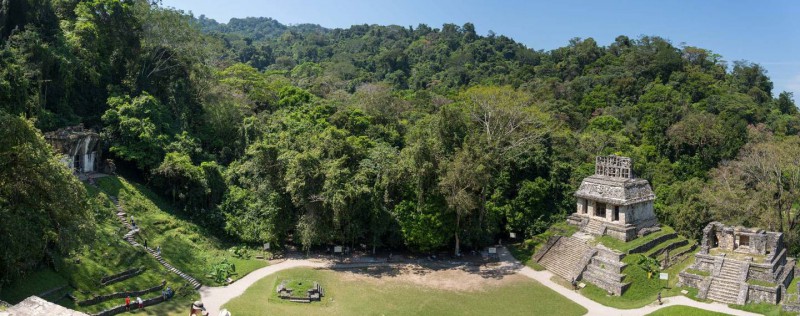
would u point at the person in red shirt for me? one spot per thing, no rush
(128, 303)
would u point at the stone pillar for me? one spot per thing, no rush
(609, 212)
(581, 203)
(590, 208)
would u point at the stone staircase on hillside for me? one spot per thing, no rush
(565, 257)
(129, 237)
(594, 227)
(726, 285)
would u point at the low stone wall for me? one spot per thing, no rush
(791, 308)
(788, 274)
(121, 276)
(690, 280)
(121, 308)
(103, 298)
(763, 294)
(675, 258)
(650, 244)
(761, 272)
(704, 262)
(620, 232)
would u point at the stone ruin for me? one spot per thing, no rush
(36, 306)
(738, 265)
(79, 146)
(613, 202)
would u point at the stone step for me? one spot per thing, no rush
(564, 257)
(725, 293)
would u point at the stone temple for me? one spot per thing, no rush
(612, 202)
(738, 265)
(80, 147)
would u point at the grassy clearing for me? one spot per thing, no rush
(763, 309)
(684, 311)
(189, 247)
(624, 247)
(393, 297)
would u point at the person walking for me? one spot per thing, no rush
(141, 303)
(128, 303)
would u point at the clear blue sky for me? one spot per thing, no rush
(765, 32)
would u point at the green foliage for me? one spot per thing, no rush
(684, 310)
(390, 136)
(649, 265)
(138, 129)
(220, 271)
(44, 209)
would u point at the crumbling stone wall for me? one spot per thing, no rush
(763, 294)
(605, 271)
(690, 280)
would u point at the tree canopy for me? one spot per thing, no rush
(422, 138)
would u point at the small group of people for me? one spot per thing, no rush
(167, 293)
(128, 303)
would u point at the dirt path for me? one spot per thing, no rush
(214, 297)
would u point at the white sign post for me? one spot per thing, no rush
(266, 246)
(512, 235)
(663, 276)
(337, 249)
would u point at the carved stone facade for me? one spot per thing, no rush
(612, 202)
(79, 146)
(741, 239)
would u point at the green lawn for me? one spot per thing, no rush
(763, 309)
(189, 247)
(391, 297)
(683, 311)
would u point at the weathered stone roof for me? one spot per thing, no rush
(70, 132)
(36, 306)
(615, 190)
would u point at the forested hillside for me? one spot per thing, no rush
(420, 138)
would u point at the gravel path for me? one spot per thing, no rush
(214, 297)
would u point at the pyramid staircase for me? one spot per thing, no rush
(129, 237)
(565, 257)
(594, 227)
(726, 285)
